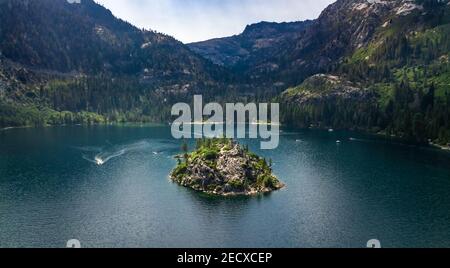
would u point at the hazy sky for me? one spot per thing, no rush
(197, 20)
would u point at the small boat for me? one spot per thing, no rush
(331, 130)
(338, 142)
(99, 161)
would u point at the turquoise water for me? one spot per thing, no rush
(52, 190)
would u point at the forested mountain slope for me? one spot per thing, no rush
(87, 38)
(58, 56)
(257, 39)
(395, 80)
(375, 65)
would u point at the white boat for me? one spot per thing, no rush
(99, 161)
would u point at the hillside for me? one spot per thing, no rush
(256, 39)
(379, 66)
(400, 72)
(374, 65)
(298, 50)
(58, 60)
(315, 48)
(86, 38)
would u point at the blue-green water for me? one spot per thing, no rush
(336, 195)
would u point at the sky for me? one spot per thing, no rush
(198, 20)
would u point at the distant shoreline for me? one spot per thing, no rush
(86, 125)
(441, 147)
(216, 123)
(429, 145)
(10, 128)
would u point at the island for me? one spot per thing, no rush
(223, 167)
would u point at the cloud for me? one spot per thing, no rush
(196, 20)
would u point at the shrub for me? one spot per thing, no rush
(236, 184)
(180, 170)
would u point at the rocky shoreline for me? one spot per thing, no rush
(225, 168)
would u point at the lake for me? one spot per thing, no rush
(338, 195)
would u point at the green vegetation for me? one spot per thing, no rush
(223, 167)
(405, 73)
(179, 171)
(13, 115)
(57, 57)
(393, 70)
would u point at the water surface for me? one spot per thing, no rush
(53, 189)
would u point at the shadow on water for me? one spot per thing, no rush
(226, 205)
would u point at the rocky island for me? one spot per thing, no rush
(223, 167)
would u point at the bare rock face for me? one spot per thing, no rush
(327, 87)
(222, 167)
(234, 50)
(323, 95)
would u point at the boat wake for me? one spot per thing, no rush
(101, 155)
(102, 158)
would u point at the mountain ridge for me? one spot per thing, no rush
(229, 51)
(340, 29)
(402, 67)
(380, 66)
(61, 59)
